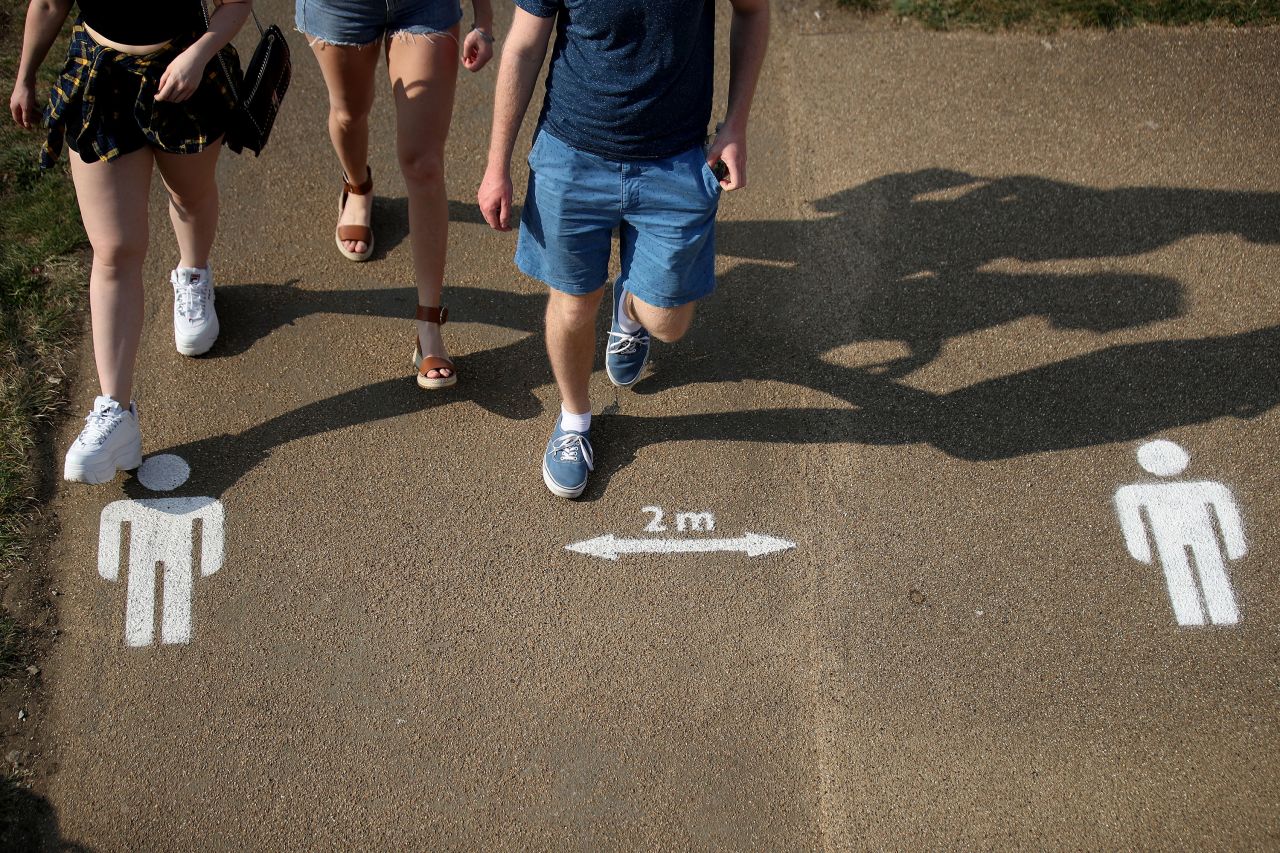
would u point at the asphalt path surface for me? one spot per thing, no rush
(972, 276)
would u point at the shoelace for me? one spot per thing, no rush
(625, 343)
(98, 425)
(567, 447)
(191, 299)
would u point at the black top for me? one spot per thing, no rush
(141, 22)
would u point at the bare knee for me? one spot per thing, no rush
(666, 324)
(119, 254)
(345, 117)
(672, 330)
(568, 311)
(190, 203)
(422, 168)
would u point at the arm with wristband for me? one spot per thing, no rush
(477, 47)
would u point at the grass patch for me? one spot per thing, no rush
(1056, 14)
(42, 306)
(41, 298)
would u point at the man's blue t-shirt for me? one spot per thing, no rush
(630, 79)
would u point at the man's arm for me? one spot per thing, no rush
(44, 20)
(211, 525)
(522, 56)
(748, 39)
(109, 540)
(1128, 502)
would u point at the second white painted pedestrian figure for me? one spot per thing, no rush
(1184, 523)
(161, 535)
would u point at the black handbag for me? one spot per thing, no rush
(259, 90)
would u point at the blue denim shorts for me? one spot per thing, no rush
(664, 210)
(361, 22)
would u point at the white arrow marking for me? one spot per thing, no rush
(608, 546)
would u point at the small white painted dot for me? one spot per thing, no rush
(164, 472)
(1163, 458)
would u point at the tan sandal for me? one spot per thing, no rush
(353, 233)
(435, 362)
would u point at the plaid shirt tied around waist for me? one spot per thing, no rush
(104, 82)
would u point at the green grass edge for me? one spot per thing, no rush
(42, 301)
(42, 309)
(1050, 15)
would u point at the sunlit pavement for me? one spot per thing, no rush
(993, 356)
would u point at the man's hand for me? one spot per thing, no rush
(23, 106)
(181, 79)
(494, 197)
(730, 147)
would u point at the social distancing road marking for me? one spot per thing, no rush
(162, 534)
(610, 547)
(1183, 520)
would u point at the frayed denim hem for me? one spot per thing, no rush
(405, 36)
(312, 41)
(412, 34)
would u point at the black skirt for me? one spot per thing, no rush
(103, 104)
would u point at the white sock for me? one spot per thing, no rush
(569, 422)
(625, 322)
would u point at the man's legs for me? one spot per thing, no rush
(570, 210)
(1218, 597)
(668, 258)
(666, 324)
(571, 345)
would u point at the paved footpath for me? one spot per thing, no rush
(974, 278)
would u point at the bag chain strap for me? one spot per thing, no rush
(226, 72)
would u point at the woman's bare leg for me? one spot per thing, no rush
(193, 201)
(424, 72)
(349, 76)
(113, 205)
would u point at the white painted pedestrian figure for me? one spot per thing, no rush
(162, 533)
(1185, 518)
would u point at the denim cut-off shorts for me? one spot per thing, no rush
(664, 210)
(355, 23)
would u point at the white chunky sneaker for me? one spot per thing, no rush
(109, 442)
(195, 323)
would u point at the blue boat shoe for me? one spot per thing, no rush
(627, 353)
(567, 462)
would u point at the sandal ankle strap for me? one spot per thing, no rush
(359, 189)
(433, 315)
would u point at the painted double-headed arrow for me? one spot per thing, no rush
(608, 546)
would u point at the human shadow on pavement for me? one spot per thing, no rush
(916, 259)
(918, 270)
(1119, 393)
(391, 221)
(251, 312)
(500, 380)
(28, 821)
